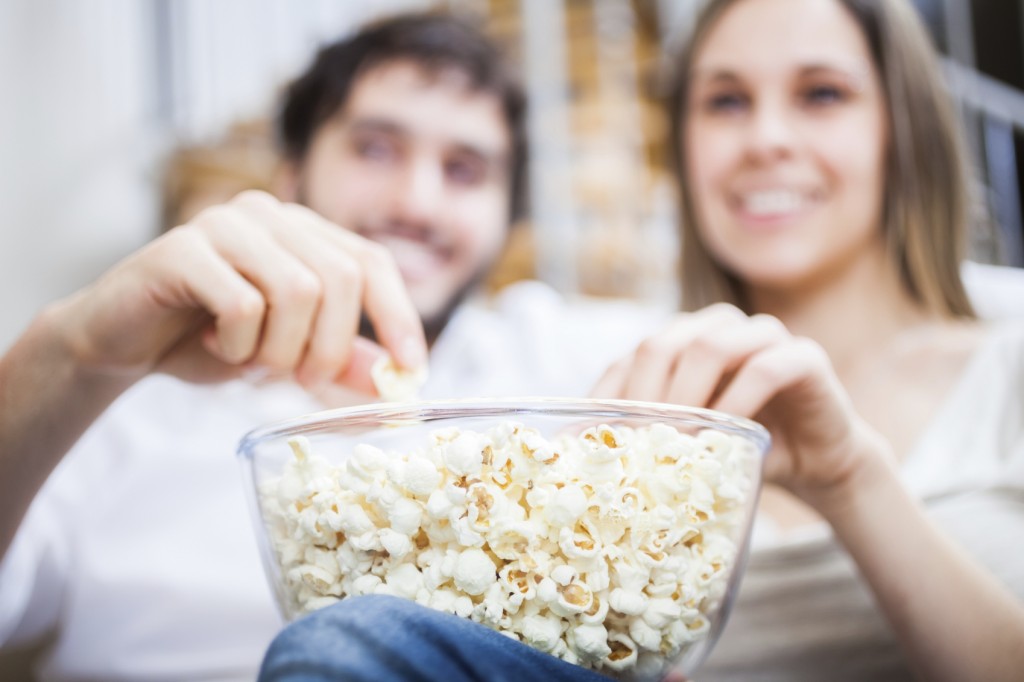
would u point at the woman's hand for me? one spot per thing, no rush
(753, 367)
(252, 283)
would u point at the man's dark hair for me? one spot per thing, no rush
(436, 42)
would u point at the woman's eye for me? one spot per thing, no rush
(820, 95)
(726, 102)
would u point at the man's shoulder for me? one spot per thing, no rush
(534, 313)
(535, 299)
(528, 339)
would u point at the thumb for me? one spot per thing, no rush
(356, 374)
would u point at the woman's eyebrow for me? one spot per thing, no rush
(855, 76)
(715, 75)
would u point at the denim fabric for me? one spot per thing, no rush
(379, 639)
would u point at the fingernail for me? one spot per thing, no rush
(255, 373)
(412, 355)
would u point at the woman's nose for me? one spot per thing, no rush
(771, 133)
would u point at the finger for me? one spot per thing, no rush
(336, 321)
(394, 317)
(674, 676)
(652, 364)
(612, 383)
(357, 374)
(778, 368)
(386, 301)
(291, 290)
(656, 358)
(713, 355)
(236, 306)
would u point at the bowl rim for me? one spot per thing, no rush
(422, 411)
(425, 411)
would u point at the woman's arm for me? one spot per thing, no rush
(953, 620)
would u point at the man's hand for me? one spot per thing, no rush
(252, 283)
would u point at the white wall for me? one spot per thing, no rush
(92, 94)
(76, 147)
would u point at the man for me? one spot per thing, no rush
(426, 123)
(137, 554)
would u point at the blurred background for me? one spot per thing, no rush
(119, 117)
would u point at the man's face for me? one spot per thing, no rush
(419, 162)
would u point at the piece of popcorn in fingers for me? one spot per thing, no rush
(394, 383)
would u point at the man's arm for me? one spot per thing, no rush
(251, 283)
(46, 402)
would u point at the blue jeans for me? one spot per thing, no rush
(379, 639)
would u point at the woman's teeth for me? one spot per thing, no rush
(772, 203)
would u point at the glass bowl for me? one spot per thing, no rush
(610, 533)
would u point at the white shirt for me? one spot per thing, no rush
(803, 613)
(140, 549)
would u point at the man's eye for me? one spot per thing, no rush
(465, 172)
(376, 150)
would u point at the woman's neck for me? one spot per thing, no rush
(851, 310)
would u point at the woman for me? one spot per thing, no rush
(824, 198)
(825, 208)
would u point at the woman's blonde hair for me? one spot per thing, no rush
(926, 202)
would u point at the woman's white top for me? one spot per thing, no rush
(803, 613)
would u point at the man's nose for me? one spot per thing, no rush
(420, 190)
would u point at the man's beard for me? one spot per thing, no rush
(436, 323)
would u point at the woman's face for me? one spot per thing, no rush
(785, 142)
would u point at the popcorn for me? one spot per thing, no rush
(420, 476)
(464, 455)
(365, 584)
(395, 544)
(474, 572)
(547, 590)
(647, 636)
(439, 505)
(623, 654)
(597, 612)
(661, 612)
(566, 506)
(573, 599)
(591, 642)
(405, 516)
(608, 549)
(628, 602)
(542, 632)
(395, 384)
(563, 575)
(406, 580)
